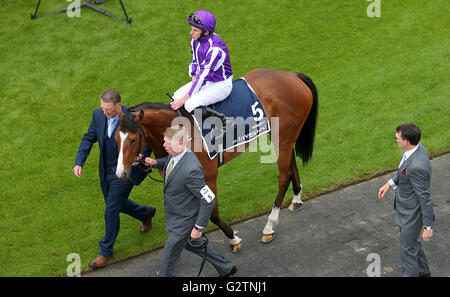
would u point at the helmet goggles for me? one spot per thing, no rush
(195, 19)
(197, 22)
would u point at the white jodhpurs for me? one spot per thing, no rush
(210, 93)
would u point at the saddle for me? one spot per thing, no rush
(247, 113)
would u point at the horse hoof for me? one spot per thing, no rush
(266, 238)
(236, 247)
(295, 206)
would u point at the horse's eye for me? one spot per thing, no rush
(133, 140)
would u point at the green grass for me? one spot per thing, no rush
(371, 74)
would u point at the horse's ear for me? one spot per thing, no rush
(119, 110)
(141, 115)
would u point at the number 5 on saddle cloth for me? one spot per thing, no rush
(85, 4)
(245, 108)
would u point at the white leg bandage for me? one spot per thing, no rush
(272, 221)
(235, 239)
(297, 198)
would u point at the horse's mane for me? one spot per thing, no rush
(145, 105)
(127, 123)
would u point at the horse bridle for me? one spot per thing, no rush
(141, 132)
(137, 161)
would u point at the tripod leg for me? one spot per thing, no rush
(102, 11)
(56, 12)
(35, 12)
(125, 12)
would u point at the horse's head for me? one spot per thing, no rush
(130, 140)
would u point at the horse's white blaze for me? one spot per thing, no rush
(120, 165)
(272, 221)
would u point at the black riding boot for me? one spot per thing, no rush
(209, 112)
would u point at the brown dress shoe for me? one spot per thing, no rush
(147, 225)
(99, 261)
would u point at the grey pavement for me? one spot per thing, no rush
(333, 235)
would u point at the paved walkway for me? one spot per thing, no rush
(332, 235)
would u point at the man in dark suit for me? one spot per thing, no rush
(188, 204)
(103, 125)
(413, 205)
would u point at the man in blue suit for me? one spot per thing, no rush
(115, 192)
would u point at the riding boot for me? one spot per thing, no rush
(226, 123)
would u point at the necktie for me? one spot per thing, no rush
(111, 126)
(169, 169)
(402, 160)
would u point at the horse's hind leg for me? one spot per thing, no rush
(284, 179)
(297, 202)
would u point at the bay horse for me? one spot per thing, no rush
(289, 97)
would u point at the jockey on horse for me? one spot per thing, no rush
(210, 69)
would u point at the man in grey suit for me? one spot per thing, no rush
(188, 204)
(412, 204)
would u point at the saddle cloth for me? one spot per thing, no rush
(244, 107)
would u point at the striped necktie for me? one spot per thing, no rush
(169, 169)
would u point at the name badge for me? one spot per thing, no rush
(207, 194)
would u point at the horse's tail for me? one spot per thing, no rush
(305, 141)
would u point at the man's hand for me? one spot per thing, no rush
(150, 162)
(138, 158)
(176, 104)
(77, 170)
(427, 234)
(196, 233)
(383, 190)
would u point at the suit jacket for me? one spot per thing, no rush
(183, 203)
(413, 205)
(97, 133)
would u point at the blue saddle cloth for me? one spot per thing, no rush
(244, 107)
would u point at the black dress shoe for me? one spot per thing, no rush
(233, 271)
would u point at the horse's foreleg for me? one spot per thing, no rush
(235, 241)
